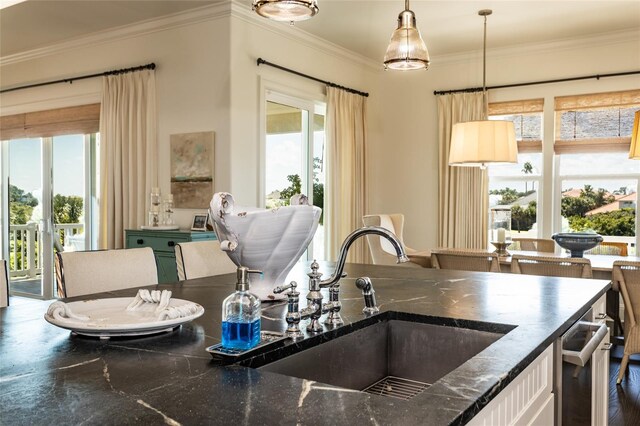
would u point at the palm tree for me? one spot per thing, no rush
(527, 169)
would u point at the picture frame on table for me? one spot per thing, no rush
(200, 222)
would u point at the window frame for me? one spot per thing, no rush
(524, 107)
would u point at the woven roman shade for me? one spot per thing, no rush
(627, 98)
(82, 119)
(526, 106)
(520, 107)
(594, 101)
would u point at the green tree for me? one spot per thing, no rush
(586, 201)
(294, 188)
(17, 195)
(575, 206)
(21, 205)
(67, 209)
(619, 222)
(621, 191)
(19, 214)
(522, 219)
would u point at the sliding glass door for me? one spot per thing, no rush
(46, 186)
(294, 156)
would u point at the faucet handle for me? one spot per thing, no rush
(293, 316)
(292, 285)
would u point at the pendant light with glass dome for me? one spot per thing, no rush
(406, 50)
(286, 10)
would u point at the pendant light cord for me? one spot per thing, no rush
(484, 57)
(485, 97)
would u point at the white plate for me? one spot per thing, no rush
(109, 318)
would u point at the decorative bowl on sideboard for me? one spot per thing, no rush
(577, 242)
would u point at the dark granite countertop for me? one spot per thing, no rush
(48, 375)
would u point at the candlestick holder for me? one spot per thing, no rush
(501, 248)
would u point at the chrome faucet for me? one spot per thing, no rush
(344, 249)
(315, 308)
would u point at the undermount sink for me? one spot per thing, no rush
(397, 355)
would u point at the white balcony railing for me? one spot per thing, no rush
(25, 248)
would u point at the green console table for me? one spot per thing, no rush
(163, 245)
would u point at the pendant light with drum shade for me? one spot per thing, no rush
(476, 143)
(286, 10)
(634, 151)
(406, 50)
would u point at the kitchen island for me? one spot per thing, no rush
(48, 375)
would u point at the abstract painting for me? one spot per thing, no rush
(192, 169)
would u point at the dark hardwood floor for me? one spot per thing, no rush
(624, 399)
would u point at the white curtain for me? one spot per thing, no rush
(345, 198)
(128, 153)
(463, 199)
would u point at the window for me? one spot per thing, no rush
(517, 185)
(597, 183)
(48, 171)
(294, 156)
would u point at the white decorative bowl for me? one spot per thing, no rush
(268, 240)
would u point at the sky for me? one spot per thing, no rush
(25, 165)
(283, 157)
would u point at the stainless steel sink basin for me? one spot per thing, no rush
(412, 354)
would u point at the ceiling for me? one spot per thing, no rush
(363, 26)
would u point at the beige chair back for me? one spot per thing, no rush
(202, 259)
(4, 284)
(571, 267)
(609, 248)
(533, 244)
(382, 252)
(87, 272)
(626, 279)
(465, 260)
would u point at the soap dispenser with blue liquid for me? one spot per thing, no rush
(241, 315)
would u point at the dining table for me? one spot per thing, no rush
(601, 266)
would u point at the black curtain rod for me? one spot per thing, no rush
(150, 66)
(261, 61)
(532, 83)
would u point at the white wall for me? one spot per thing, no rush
(192, 83)
(405, 156)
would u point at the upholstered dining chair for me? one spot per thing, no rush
(533, 244)
(626, 279)
(4, 284)
(202, 259)
(571, 267)
(611, 248)
(382, 252)
(465, 260)
(86, 272)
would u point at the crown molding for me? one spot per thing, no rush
(51, 103)
(189, 17)
(241, 11)
(602, 39)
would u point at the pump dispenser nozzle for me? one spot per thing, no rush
(242, 283)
